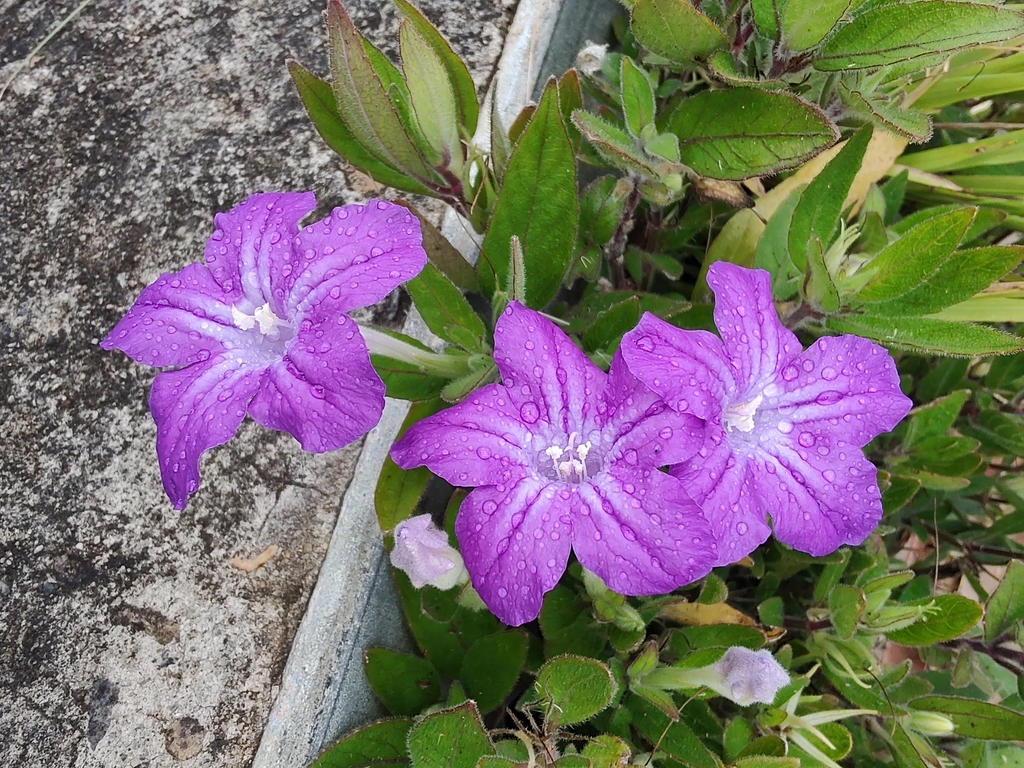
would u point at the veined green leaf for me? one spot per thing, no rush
(363, 102)
(637, 96)
(322, 106)
(950, 616)
(766, 17)
(935, 418)
(441, 304)
(744, 132)
(616, 146)
(959, 277)
(406, 684)
(894, 33)
(911, 124)
(574, 688)
(454, 738)
(459, 79)
(1005, 606)
(915, 257)
(773, 252)
(675, 30)
(538, 203)
(378, 745)
(433, 100)
(999, 433)
(805, 23)
(929, 336)
(975, 719)
(492, 666)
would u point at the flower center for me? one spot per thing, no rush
(570, 462)
(741, 415)
(270, 324)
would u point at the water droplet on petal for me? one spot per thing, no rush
(529, 413)
(646, 343)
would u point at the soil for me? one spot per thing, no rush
(128, 636)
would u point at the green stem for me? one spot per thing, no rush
(380, 343)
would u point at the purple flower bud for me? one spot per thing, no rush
(423, 552)
(749, 676)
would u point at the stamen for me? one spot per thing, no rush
(574, 468)
(741, 415)
(241, 320)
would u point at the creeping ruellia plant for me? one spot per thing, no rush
(733, 431)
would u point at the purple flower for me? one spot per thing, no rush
(261, 328)
(785, 427)
(749, 676)
(422, 551)
(564, 456)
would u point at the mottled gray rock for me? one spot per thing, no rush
(127, 637)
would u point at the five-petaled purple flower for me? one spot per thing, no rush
(261, 327)
(564, 456)
(785, 426)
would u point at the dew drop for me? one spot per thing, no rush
(789, 373)
(646, 343)
(529, 413)
(785, 427)
(806, 439)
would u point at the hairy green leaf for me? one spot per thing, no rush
(675, 30)
(406, 684)
(929, 336)
(975, 719)
(378, 745)
(451, 738)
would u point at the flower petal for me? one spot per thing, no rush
(818, 504)
(689, 369)
(249, 251)
(180, 319)
(644, 429)
(325, 392)
(847, 388)
(515, 542)
(547, 376)
(746, 318)
(480, 441)
(640, 532)
(353, 258)
(723, 486)
(195, 409)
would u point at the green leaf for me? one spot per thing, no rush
(904, 753)
(817, 216)
(407, 381)
(889, 34)
(319, 101)
(363, 102)
(406, 684)
(1005, 372)
(806, 22)
(743, 132)
(459, 79)
(637, 96)
(934, 419)
(676, 739)
(1005, 607)
(838, 735)
(566, 623)
(846, 604)
(574, 688)
(773, 252)
(537, 203)
(951, 617)
(911, 124)
(431, 95)
(959, 277)
(617, 147)
(441, 305)
(442, 254)
(999, 150)
(378, 745)
(607, 751)
(975, 719)
(492, 666)
(915, 257)
(611, 324)
(1000, 433)
(455, 390)
(768, 761)
(399, 490)
(772, 612)
(766, 13)
(928, 336)
(675, 30)
(452, 738)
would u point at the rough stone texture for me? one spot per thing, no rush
(127, 638)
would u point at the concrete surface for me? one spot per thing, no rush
(127, 636)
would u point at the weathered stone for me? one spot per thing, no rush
(126, 635)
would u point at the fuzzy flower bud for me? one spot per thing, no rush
(423, 552)
(741, 675)
(750, 675)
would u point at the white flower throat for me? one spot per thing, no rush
(270, 324)
(570, 463)
(741, 415)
